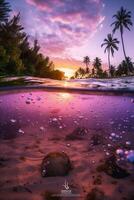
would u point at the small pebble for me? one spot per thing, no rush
(13, 120)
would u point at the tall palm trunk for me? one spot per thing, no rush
(123, 46)
(109, 60)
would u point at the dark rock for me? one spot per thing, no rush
(95, 194)
(55, 164)
(111, 168)
(77, 134)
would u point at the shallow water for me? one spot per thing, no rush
(114, 84)
(108, 113)
(34, 123)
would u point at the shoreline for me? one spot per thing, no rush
(98, 91)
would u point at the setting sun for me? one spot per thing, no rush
(68, 72)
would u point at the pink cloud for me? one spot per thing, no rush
(62, 25)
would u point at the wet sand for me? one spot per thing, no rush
(35, 123)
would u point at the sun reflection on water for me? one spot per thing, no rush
(65, 96)
(66, 84)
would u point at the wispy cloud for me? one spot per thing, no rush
(63, 25)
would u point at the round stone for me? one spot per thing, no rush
(56, 164)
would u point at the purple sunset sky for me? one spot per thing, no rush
(68, 30)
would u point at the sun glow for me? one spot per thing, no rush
(65, 96)
(68, 72)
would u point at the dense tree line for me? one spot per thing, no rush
(125, 68)
(17, 55)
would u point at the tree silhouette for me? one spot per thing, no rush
(76, 74)
(97, 66)
(122, 20)
(11, 36)
(110, 44)
(17, 57)
(112, 71)
(86, 60)
(4, 10)
(80, 73)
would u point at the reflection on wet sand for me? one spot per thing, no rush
(91, 134)
(65, 96)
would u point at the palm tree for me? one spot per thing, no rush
(4, 10)
(126, 67)
(76, 74)
(122, 20)
(80, 73)
(93, 72)
(112, 71)
(130, 65)
(111, 45)
(97, 66)
(97, 63)
(86, 60)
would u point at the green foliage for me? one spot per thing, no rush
(97, 70)
(112, 71)
(43, 66)
(56, 73)
(105, 74)
(126, 67)
(18, 82)
(11, 36)
(80, 73)
(15, 65)
(3, 60)
(17, 57)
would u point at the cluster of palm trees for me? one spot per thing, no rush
(122, 21)
(96, 71)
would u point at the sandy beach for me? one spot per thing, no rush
(88, 128)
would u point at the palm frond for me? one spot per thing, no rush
(122, 20)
